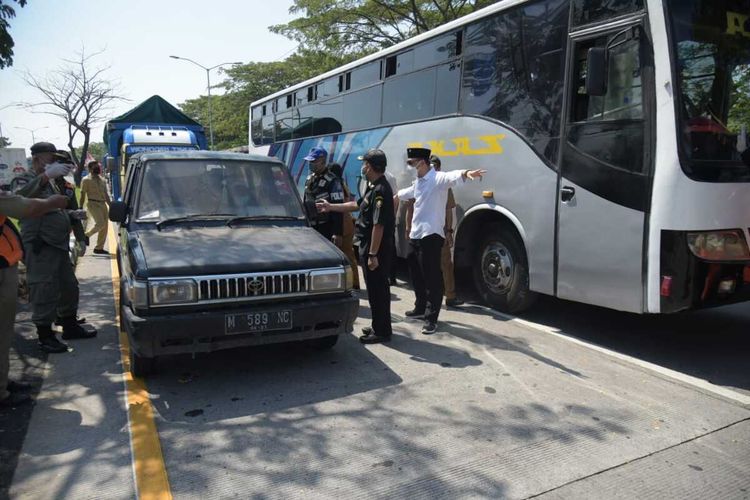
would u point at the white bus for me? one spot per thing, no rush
(614, 133)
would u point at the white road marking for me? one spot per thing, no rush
(696, 382)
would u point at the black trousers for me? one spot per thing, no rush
(426, 275)
(379, 289)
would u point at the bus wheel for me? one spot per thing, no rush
(501, 271)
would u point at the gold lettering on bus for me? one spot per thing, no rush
(736, 24)
(462, 146)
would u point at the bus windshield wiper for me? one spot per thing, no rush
(261, 217)
(171, 220)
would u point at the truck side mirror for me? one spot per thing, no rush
(596, 71)
(118, 211)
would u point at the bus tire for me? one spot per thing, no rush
(501, 270)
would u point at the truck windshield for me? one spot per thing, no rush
(712, 47)
(180, 188)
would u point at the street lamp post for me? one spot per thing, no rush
(208, 86)
(32, 130)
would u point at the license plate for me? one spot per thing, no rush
(257, 322)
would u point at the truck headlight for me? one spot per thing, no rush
(349, 277)
(137, 292)
(327, 281)
(173, 292)
(726, 245)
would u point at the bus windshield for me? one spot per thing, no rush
(712, 48)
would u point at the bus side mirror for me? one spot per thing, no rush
(118, 211)
(596, 71)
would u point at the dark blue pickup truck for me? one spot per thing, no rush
(215, 251)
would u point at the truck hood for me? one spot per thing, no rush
(196, 251)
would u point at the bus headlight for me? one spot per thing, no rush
(728, 245)
(173, 292)
(327, 281)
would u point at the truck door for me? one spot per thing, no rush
(604, 176)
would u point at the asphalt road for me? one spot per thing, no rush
(490, 407)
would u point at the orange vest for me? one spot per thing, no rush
(11, 249)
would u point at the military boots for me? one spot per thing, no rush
(47, 340)
(73, 330)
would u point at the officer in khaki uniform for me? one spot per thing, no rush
(347, 228)
(11, 252)
(94, 189)
(52, 281)
(446, 260)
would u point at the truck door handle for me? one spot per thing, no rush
(567, 193)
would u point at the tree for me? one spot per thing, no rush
(360, 26)
(6, 41)
(4, 142)
(79, 93)
(97, 150)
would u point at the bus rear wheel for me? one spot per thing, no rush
(501, 270)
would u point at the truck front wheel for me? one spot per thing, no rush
(501, 270)
(325, 343)
(141, 366)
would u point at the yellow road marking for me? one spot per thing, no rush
(148, 462)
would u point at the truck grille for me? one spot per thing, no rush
(251, 285)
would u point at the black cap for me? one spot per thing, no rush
(421, 153)
(43, 147)
(64, 156)
(375, 157)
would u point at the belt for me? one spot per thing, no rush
(98, 201)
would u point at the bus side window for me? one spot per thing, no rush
(610, 127)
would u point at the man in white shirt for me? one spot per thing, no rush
(430, 195)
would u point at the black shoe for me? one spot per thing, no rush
(76, 331)
(392, 282)
(15, 399)
(414, 313)
(429, 328)
(101, 251)
(14, 386)
(51, 344)
(453, 302)
(374, 339)
(80, 321)
(367, 331)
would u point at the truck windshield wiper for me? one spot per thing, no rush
(171, 220)
(261, 217)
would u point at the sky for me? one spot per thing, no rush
(137, 38)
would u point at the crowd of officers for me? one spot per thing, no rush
(48, 211)
(429, 228)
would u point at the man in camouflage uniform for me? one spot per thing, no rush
(52, 281)
(322, 184)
